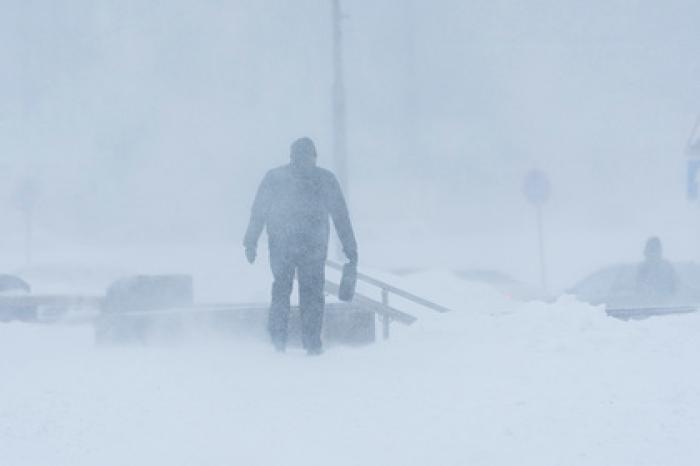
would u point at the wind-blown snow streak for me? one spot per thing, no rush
(547, 385)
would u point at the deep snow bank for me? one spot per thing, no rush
(537, 385)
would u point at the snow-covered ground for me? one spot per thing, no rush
(493, 383)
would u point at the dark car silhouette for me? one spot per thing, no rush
(10, 286)
(615, 286)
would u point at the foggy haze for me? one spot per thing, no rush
(144, 122)
(469, 315)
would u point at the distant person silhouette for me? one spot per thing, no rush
(294, 203)
(656, 277)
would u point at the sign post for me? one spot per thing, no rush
(692, 151)
(26, 199)
(537, 190)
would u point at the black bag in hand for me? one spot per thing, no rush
(348, 282)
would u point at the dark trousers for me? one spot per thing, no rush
(311, 277)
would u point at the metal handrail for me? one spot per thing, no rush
(381, 309)
(387, 288)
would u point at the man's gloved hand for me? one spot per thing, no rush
(352, 256)
(250, 254)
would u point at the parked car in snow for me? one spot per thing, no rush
(615, 286)
(12, 286)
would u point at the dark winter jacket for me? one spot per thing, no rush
(656, 279)
(294, 204)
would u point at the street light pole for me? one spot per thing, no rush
(410, 98)
(339, 110)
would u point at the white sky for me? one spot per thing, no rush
(153, 120)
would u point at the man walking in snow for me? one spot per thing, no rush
(294, 203)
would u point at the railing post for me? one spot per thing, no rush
(386, 320)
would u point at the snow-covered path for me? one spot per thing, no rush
(554, 384)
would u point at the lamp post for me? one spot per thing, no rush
(339, 110)
(26, 198)
(340, 161)
(692, 151)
